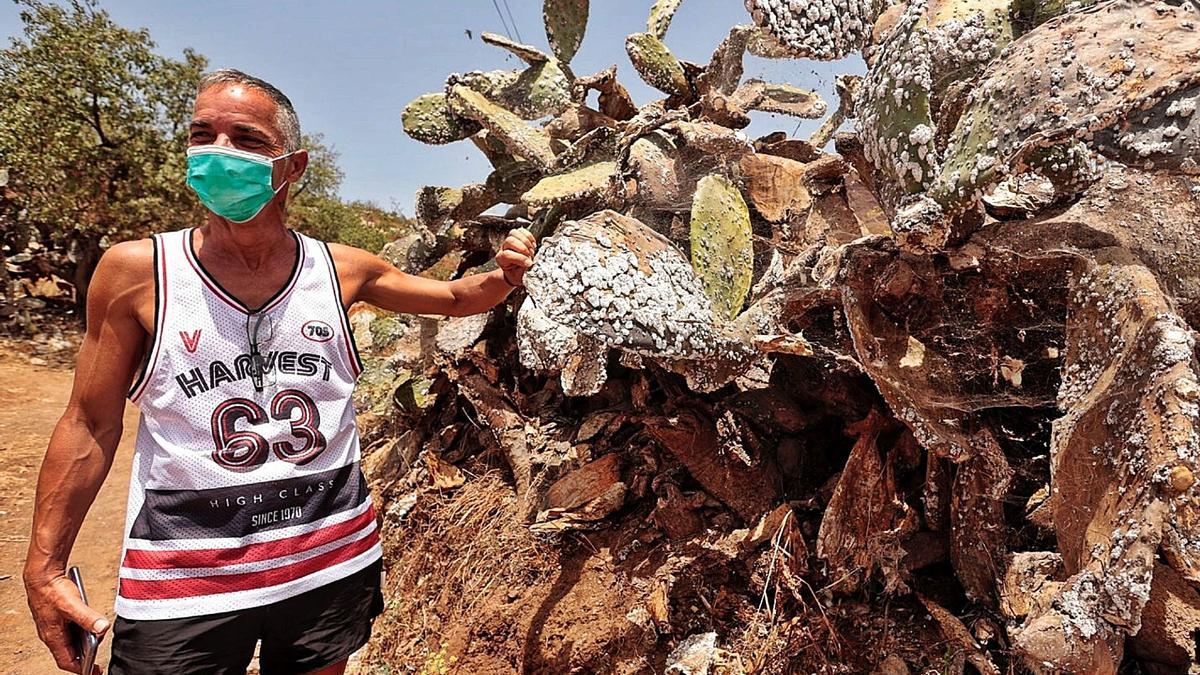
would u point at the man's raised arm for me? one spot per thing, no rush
(367, 278)
(84, 441)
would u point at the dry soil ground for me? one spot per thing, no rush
(31, 399)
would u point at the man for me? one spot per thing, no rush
(248, 515)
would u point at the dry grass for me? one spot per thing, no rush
(451, 563)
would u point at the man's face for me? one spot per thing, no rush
(237, 116)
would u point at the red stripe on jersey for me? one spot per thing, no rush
(219, 557)
(191, 587)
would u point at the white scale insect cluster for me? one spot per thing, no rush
(819, 29)
(889, 96)
(606, 291)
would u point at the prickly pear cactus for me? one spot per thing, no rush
(546, 346)
(722, 250)
(541, 89)
(437, 204)
(566, 22)
(781, 98)
(817, 29)
(428, 119)
(521, 139)
(590, 180)
(613, 278)
(896, 121)
(609, 281)
(656, 64)
(725, 68)
(1032, 13)
(1083, 75)
(660, 17)
(527, 53)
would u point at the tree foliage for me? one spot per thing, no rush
(317, 211)
(92, 131)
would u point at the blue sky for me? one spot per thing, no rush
(350, 67)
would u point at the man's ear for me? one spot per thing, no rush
(297, 164)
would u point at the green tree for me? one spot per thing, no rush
(316, 210)
(93, 127)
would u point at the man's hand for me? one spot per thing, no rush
(55, 602)
(516, 255)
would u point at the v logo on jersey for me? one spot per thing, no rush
(190, 342)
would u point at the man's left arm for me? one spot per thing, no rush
(367, 278)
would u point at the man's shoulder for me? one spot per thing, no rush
(349, 257)
(128, 260)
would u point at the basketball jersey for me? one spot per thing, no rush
(239, 497)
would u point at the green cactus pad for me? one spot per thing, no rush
(954, 40)
(656, 64)
(533, 93)
(660, 17)
(1031, 13)
(428, 119)
(527, 53)
(521, 139)
(587, 181)
(566, 23)
(722, 249)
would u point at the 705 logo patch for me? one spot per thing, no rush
(317, 331)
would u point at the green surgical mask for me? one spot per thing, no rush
(232, 183)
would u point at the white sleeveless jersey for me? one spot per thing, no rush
(239, 498)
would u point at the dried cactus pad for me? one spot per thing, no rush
(656, 64)
(612, 278)
(1079, 75)
(527, 53)
(566, 22)
(817, 29)
(428, 119)
(722, 250)
(781, 98)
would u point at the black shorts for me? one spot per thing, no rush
(301, 634)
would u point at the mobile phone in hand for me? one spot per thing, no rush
(83, 640)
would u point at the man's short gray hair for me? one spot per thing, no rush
(285, 115)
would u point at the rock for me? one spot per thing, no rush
(693, 656)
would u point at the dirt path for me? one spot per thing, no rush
(31, 400)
